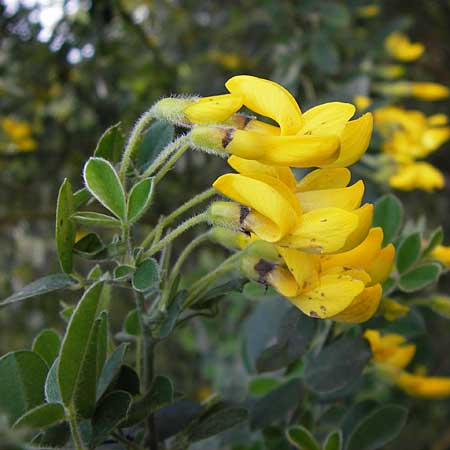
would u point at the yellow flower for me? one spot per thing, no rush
(392, 353)
(392, 310)
(442, 254)
(420, 175)
(400, 47)
(323, 136)
(362, 102)
(20, 134)
(369, 11)
(390, 71)
(421, 90)
(318, 214)
(390, 349)
(423, 386)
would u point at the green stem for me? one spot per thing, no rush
(133, 143)
(168, 150)
(170, 163)
(200, 218)
(176, 268)
(183, 208)
(75, 432)
(203, 283)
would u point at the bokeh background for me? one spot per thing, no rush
(70, 69)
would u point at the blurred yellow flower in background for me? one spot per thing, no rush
(422, 90)
(369, 11)
(420, 175)
(400, 47)
(20, 134)
(442, 254)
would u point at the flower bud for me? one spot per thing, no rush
(269, 274)
(172, 109)
(227, 214)
(212, 139)
(230, 239)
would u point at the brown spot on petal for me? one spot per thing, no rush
(244, 212)
(314, 314)
(323, 309)
(227, 138)
(263, 267)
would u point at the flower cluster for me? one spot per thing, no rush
(409, 136)
(392, 354)
(310, 238)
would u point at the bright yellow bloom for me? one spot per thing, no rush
(442, 254)
(419, 175)
(393, 354)
(20, 133)
(392, 310)
(400, 47)
(311, 215)
(369, 11)
(390, 349)
(422, 90)
(323, 136)
(362, 102)
(423, 386)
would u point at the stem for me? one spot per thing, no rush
(200, 218)
(167, 151)
(133, 142)
(128, 444)
(170, 163)
(142, 347)
(174, 214)
(200, 285)
(176, 268)
(75, 432)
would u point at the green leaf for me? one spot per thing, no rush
(160, 134)
(102, 342)
(378, 428)
(123, 272)
(217, 422)
(334, 15)
(110, 369)
(94, 219)
(337, 365)
(436, 237)
(51, 388)
(333, 441)
(41, 286)
(65, 229)
(56, 436)
(110, 412)
(46, 344)
(89, 246)
(77, 363)
(95, 273)
(103, 182)
(172, 313)
(263, 385)
(42, 416)
(323, 53)
(408, 252)
(22, 378)
(80, 197)
(388, 214)
(301, 438)
(110, 144)
(127, 380)
(139, 199)
(276, 404)
(215, 295)
(131, 325)
(295, 334)
(146, 275)
(420, 277)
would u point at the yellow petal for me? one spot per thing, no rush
(354, 141)
(347, 198)
(400, 47)
(393, 310)
(295, 151)
(437, 120)
(433, 138)
(424, 387)
(429, 91)
(268, 99)
(381, 266)
(213, 109)
(322, 230)
(442, 254)
(303, 266)
(360, 256)
(324, 179)
(281, 280)
(262, 127)
(357, 274)
(327, 119)
(332, 296)
(363, 307)
(401, 357)
(365, 215)
(421, 175)
(267, 200)
(255, 169)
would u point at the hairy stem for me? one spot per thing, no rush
(75, 432)
(170, 163)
